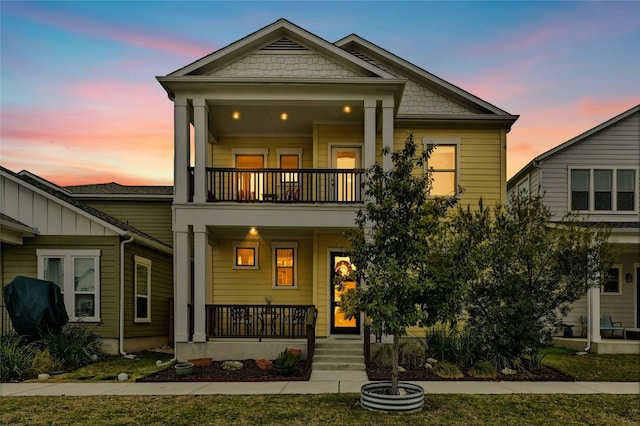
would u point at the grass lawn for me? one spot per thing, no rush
(593, 367)
(329, 409)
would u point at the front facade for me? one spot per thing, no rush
(596, 176)
(271, 135)
(115, 279)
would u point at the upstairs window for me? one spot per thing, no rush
(443, 164)
(603, 190)
(77, 273)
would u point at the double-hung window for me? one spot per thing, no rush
(611, 284)
(285, 268)
(610, 190)
(77, 273)
(142, 289)
(444, 166)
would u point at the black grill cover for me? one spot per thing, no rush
(36, 307)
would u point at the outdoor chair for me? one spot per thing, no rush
(241, 320)
(297, 319)
(608, 324)
(583, 326)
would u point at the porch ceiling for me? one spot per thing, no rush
(264, 118)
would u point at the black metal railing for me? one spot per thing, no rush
(259, 321)
(283, 186)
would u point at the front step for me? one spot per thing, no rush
(339, 355)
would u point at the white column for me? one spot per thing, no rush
(181, 150)
(387, 131)
(201, 272)
(369, 132)
(594, 319)
(201, 135)
(181, 284)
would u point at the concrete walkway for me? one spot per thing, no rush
(321, 382)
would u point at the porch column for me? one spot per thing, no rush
(387, 131)
(201, 271)
(201, 133)
(181, 147)
(369, 132)
(594, 314)
(181, 284)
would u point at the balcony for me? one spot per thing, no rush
(341, 186)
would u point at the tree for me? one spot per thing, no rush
(402, 251)
(523, 274)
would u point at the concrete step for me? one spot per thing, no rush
(338, 366)
(339, 355)
(357, 359)
(338, 352)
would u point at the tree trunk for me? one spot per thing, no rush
(394, 365)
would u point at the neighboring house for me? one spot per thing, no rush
(279, 126)
(115, 278)
(596, 176)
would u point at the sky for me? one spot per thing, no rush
(80, 104)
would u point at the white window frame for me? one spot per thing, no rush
(255, 245)
(68, 287)
(614, 190)
(280, 245)
(620, 281)
(457, 142)
(143, 262)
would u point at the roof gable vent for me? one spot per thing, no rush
(284, 44)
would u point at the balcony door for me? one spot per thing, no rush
(341, 266)
(346, 184)
(250, 184)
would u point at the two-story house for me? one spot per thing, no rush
(595, 176)
(271, 135)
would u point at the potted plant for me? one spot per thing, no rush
(285, 362)
(183, 368)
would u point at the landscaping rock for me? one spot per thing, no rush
(428, 366)
(508, 371)
(232, 365)
(401, 369)
(432, 361)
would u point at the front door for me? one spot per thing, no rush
(341, 266)
(638, 297)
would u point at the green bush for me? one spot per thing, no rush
(447, 370)
(483, 369)
(450, 344)
(286, 360)
(75, 346)
(16, 357)
(411, 354)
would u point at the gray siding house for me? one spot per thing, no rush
(596, 177)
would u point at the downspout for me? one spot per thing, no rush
(122, 352)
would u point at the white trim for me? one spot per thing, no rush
(142, 261)
(289, 151)
(614, 190)
(457, 142)
(249, 151)
(636, 282)
(68, 286)
(255, 245)
(274, 269)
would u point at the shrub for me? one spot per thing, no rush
(16, 357)
(411, 354)
(286, 360)
(75, 346)
(447, 370)
(43, 361)
(383, 357)
(483, 369)
(450, 344)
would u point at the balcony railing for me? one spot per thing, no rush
(284, 186)
(259, 321)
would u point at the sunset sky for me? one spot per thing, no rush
(80, 103)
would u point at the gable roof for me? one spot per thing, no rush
(571, 142)
(115, 190)
(62, 196)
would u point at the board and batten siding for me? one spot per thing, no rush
(161, 292)
(22, 260)
(617, 146)
(47, 215)
(150, 217)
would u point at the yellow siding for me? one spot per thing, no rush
(331, 133)
(251, 286)
(222, 151)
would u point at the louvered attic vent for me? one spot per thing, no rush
(361, 55)
(284, 44)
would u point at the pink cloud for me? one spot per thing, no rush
(87, 27)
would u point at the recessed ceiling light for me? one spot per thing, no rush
(253, 231)
(236, 115)
(284, 116)
(347, 109)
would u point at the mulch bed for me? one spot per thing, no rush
(214, 373)
(541, 374)
(302, 372)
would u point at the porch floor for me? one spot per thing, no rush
(605, 346)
